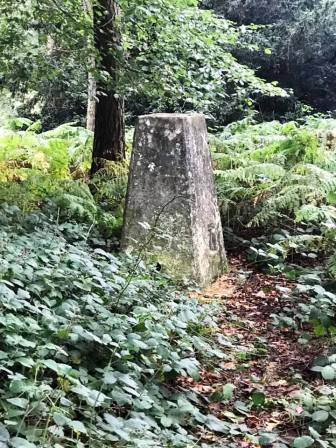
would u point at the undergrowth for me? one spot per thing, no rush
(277, 181)
(49, 171)
(93, 342)
(267, 172)
(89, 355)
(277, 191)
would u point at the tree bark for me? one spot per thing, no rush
(92, 83)
(91, 103)
(109, 139)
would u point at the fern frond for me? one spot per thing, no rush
(252, 173)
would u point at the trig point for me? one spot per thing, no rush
(172, 217)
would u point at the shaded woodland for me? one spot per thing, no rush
(100, 348)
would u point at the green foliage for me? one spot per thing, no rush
(48, 170)
(109, 186)
(34, 161)
(311, 303)
(174, 57)
(89, 353)
(276, 184)
(266, 173)
(186, 63)
(31, 166)
(318, 414)
(301, 40)
(74, 202)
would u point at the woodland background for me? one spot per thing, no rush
(99, 350)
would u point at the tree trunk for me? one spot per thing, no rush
(92, 83)
(109, 139)
(91, 103)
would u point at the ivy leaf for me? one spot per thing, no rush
(166, 421)
(190, 366)
(303, 442)
(267, 438)
(4, 434)
(19, 402)
(78, 426)
(117, 426)
(109, 378)
(50, 364)
(60, 419)
(126, 379)
(113, 421)
(18, 442)
(328, 373)
(26, 362)
(320, 416)
(217, 425)
(93, 397)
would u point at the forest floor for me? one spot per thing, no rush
(265, 366)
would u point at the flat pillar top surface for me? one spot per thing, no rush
(167, 116)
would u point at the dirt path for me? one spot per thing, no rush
(262, 361)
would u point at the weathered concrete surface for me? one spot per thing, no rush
(171, 215)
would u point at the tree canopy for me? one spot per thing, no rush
(174, 56)
(301, 36)
(107, 347)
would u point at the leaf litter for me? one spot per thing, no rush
(264, 364)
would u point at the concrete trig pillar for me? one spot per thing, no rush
(171, 215)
